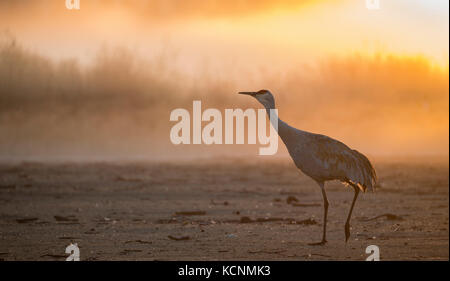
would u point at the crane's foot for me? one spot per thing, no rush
(321, 243)
(347, 232)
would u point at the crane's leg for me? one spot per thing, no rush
(347, 223)
(325, 213)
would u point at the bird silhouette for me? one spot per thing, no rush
(322, 159)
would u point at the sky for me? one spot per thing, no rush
(376, 79)
(250, 32)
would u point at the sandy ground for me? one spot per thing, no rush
(218, 210)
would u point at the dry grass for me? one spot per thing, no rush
(120, 102)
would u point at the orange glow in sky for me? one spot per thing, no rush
(263, 32)
(329, 62)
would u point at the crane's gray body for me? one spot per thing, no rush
(322, 158)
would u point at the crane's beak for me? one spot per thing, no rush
(248, 93)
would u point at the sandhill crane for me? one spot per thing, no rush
(323, 158)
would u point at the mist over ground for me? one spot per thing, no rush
(119, 105)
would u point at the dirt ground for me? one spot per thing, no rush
(232, 209)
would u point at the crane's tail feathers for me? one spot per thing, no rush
(364, 176)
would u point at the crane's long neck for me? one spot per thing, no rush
(283, 127)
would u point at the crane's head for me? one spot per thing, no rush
(265, 97)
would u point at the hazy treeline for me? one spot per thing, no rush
(121, 102)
